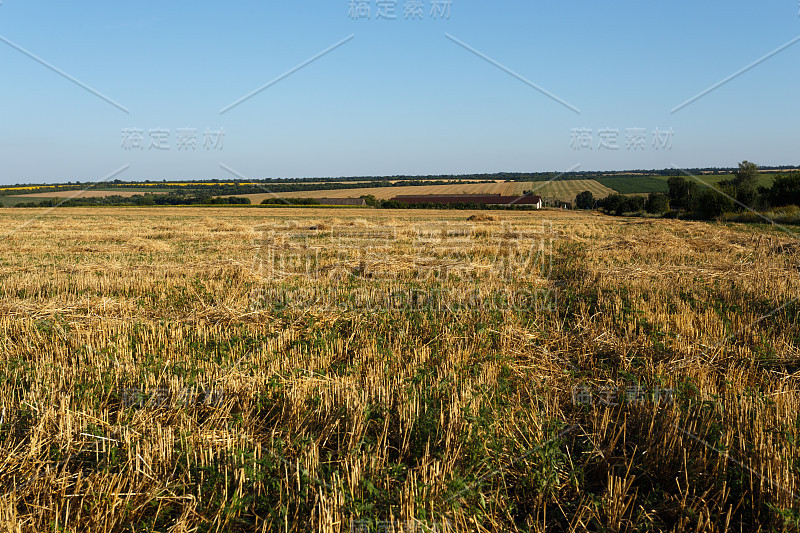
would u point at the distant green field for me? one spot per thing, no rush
(765, 179)
(657, 183)
(11, 201)
(634, 184)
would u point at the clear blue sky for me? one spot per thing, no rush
(399, 97)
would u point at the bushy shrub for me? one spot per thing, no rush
(619, 204)
(585, 200)
(657, 203)
(711, 203)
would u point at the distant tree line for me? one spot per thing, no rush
(618, 204)
(227, 189)
(689, 198)
(220, 187)
(394, 204)
(290, 201)
(237, 188)
(141, 200)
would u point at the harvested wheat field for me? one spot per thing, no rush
(312, 370)
(564, 190)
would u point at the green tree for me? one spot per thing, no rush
(745, 183)
(611, 202)
(632, 204)
(618, 204)
(657, 203)
(747, 176)
(371, 200)
(585, 200)
(681, 192)
(147, 199)
(711, 203)
(785, 190)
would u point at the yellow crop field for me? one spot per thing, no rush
(25, 188)
(211, 369)
(183, 184)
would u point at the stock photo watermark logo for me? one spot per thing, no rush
(635, 139)
(436, 251)
(186, 139)
(321, 252)
(392, 9)
(401, 526)
(434, 267)
(403, 298)
(613, 395)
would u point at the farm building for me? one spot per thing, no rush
(481, 199)
(341, 201)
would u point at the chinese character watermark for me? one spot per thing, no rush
(400, 526)
(662, 140)
(635, 138)
(581, 139)
(612, 395)
(464, 256)
(414, 9)
(608, 139)
(186, 139)
(359, 9)
(159, 139)
(388, 9)
(132, 139)
(437, 251)
(440, 9)
(213, 139)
